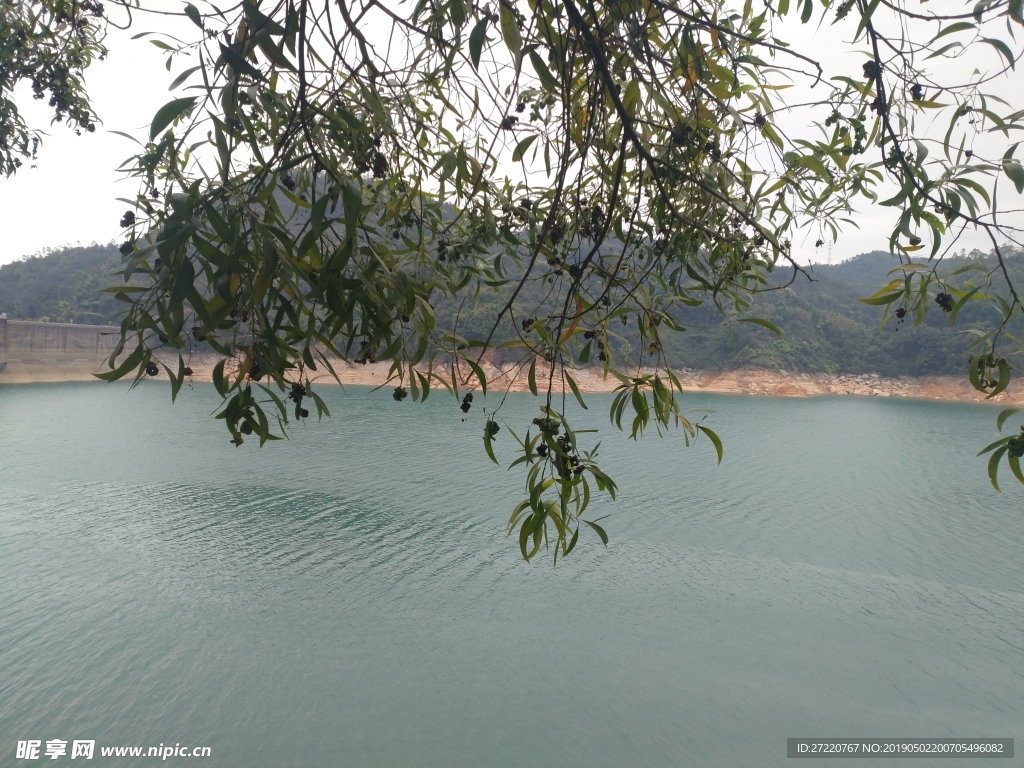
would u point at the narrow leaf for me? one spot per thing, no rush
(763, 323)
(600, 531)
(716, 441)
(168, 113)
(521, 148)
(476, 41)
(1005, 415)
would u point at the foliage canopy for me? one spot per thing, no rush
(331, 171)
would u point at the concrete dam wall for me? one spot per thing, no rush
(32, 352)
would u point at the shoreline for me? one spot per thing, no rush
(740, 382)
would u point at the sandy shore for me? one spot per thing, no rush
(745, 382)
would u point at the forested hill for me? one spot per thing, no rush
(62, 286)
(825, 326)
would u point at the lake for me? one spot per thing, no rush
(350, 598)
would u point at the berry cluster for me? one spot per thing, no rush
(901, 315)
(364, 356)
(467, 402)
(298, 392)
(681, 135)
(400, 394)
(945, 302)
(1015, 445)
(548, 426)
(380, 165)
(570, 464)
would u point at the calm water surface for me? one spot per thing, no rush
(349, 598)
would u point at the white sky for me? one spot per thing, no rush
(68, 198)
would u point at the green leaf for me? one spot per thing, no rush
(1017, 11)
(352, 200)
(631, 96)
(980, 8)
(575, 390)
(543, 73)
(476, 41)
(952, 29)
(182, 282)
(716, 441)
(763, 323)
(1015, 172)
(865, 19)
(532, 376)
(479, 375)
(993, 466)
(168, 113)
(974, 370)
(572, 542)
(600, 531)
(193, 13)
(178, 81)
(237, 63)
(125, 135)
(993, 446)
(1004, 51)
(509, 29)
(585, 353)
(1005, 415)
(129, 363)
(274, 53)
(521, 148)
(177, 379)
(218, 379)
(1004, 379)
(878, 301)
(487, 442)
(1014, 463)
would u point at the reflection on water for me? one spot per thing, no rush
(350, 597)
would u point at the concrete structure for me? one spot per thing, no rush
(32, 352)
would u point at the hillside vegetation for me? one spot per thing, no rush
(826, 328)
(62, 286)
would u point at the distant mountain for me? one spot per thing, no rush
(826, 328)
(62, 286)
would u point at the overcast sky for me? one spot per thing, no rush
(69, 197)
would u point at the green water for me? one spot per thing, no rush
(350, 599)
